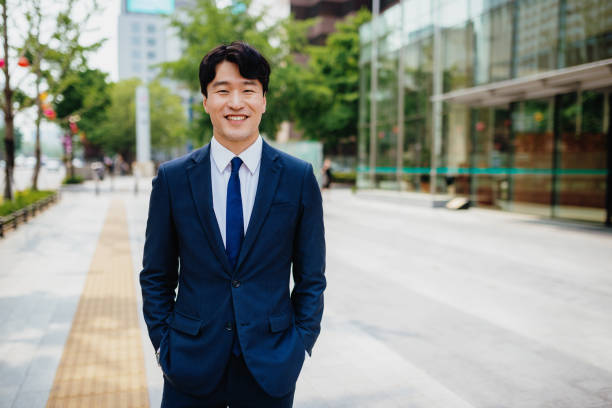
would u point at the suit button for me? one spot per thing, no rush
(228, 326)
(236, 284)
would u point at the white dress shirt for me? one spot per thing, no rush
(220, 171)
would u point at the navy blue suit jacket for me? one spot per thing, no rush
(194, 330)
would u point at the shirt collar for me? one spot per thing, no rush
(222, 157)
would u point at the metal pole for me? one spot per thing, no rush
(437, 104)
(608, 130)
(399, 165)
(374, 90)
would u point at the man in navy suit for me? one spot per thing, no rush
(228, 224)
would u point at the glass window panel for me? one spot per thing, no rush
(588, 31)
(452, 12)
(457, 57)
(493, 45)
(582, 180)
(532, 123)
(537, 35)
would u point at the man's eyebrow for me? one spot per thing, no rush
(226, 83)
(219, 83)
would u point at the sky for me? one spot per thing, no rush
(105, 26)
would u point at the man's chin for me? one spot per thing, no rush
(237, 137)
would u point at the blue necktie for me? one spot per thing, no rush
(234, 223)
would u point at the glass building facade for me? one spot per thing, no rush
(506, 103)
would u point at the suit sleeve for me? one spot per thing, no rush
(159, 276)
(309, 262)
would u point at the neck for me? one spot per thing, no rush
(238, 146)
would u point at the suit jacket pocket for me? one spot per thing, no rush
(280, 322)
(186, 324)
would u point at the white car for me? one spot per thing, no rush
(53, 164)
(77, 163)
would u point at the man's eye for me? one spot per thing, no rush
(222, 91)
(249, 91)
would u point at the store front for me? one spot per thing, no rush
(547, 156)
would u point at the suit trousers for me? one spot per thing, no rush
(237, 389)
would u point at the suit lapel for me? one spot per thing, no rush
(269, 175)
(201, 190)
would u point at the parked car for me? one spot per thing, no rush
(53, 164)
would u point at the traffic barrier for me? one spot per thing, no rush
(22, 215)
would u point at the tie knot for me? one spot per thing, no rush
(236, 163)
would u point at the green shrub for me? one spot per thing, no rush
(23, 199)
(344, 178)
(73, 180)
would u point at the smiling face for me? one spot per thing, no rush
(235, 105)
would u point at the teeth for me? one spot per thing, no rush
(236, 117)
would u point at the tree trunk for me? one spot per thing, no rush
(37, 148)
(9, 140)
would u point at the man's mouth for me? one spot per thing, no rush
(236, 117)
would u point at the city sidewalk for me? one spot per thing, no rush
(424, 307)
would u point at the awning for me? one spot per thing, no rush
(593, 75)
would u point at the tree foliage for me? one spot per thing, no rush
(327, 108)
(117, 133)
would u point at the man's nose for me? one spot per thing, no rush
(235, 100)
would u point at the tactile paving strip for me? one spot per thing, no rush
(102, 364)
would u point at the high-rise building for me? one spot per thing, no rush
(327, 12)
(506, 103)
(145, 39)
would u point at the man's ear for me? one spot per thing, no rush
(204, 103)
(264, 107)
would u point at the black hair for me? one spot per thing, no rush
(251, 64)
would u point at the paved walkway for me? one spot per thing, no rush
(102, 363)
(424, 308)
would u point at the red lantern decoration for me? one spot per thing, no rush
(50, 114)
(2, 63)
(74, 127)
(23, 61)
(480, 126)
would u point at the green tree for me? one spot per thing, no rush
(328, 107)
(57, 59)
(48, 60)
(83, 100)
(118, 133)
(204, 26)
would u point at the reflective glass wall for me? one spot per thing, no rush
(542, 156)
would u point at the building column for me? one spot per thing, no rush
(437, 104)
(608, 107)
(556, 158)
(399, 164)
(374, 91)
